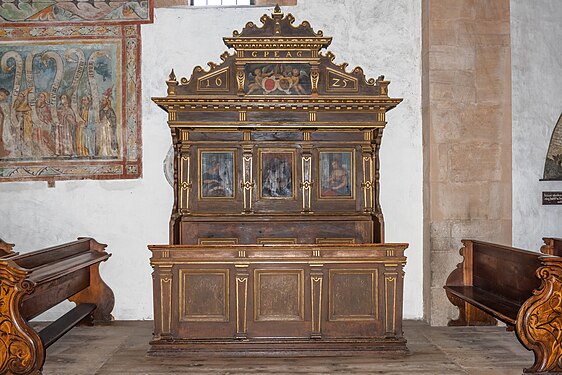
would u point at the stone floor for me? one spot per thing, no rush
(121, 349)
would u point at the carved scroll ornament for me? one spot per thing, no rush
(18, 342)
(539, 322)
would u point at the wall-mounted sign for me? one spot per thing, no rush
(551, 197)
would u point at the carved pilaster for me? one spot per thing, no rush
(248, 178)
(314, 78)
(242, 276)
(240, 79)
(539, 321)
(390, 296)
(163, 311)
(184, 177)
(21, 349)
(368, 179)
(306, 184)
(377, 210)
(316, 280)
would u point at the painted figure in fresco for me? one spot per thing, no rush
(81, 148)
(25, 122)
(3, 129)
(213, 185)
(109, 142)
(87, 119)
(42, 108)
(67, 127)
(44, 132)
(338, 181)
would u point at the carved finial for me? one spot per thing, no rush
(277, 11)
(381, 78)
(172, 83)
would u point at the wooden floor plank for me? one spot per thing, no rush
(120, 349)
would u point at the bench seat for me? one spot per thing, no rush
(495, 305)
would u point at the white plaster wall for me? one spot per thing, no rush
(536, 49)
(382, 36)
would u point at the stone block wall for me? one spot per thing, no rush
(466, 103)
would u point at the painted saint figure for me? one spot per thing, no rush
(108, 142)
(87, 119)
(25, 123)
(67, 127)
(213, 183)
(4, 129)
(81, 148)
(277, 180)
(337, 183)
(44, 131)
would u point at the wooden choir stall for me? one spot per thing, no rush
(276, 234)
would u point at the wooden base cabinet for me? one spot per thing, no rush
(278, 300)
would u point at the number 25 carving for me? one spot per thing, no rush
(338, 82)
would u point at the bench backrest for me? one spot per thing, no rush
(505, 271)
(53, 254)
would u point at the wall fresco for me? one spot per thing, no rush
(75, 11)
(69, 106)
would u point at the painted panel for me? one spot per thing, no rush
(336, 174)
(69, 105)
(277, 174)
(278, 79)
(217, 174)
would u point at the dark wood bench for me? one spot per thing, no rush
(552, 246)
(519, 287)
(32, 283)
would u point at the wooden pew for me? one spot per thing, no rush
(552, 246)
(519, 287)
(31, 283)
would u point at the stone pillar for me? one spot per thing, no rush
(466, 100)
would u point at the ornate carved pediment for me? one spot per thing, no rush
(278, 73)
(276, 25)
